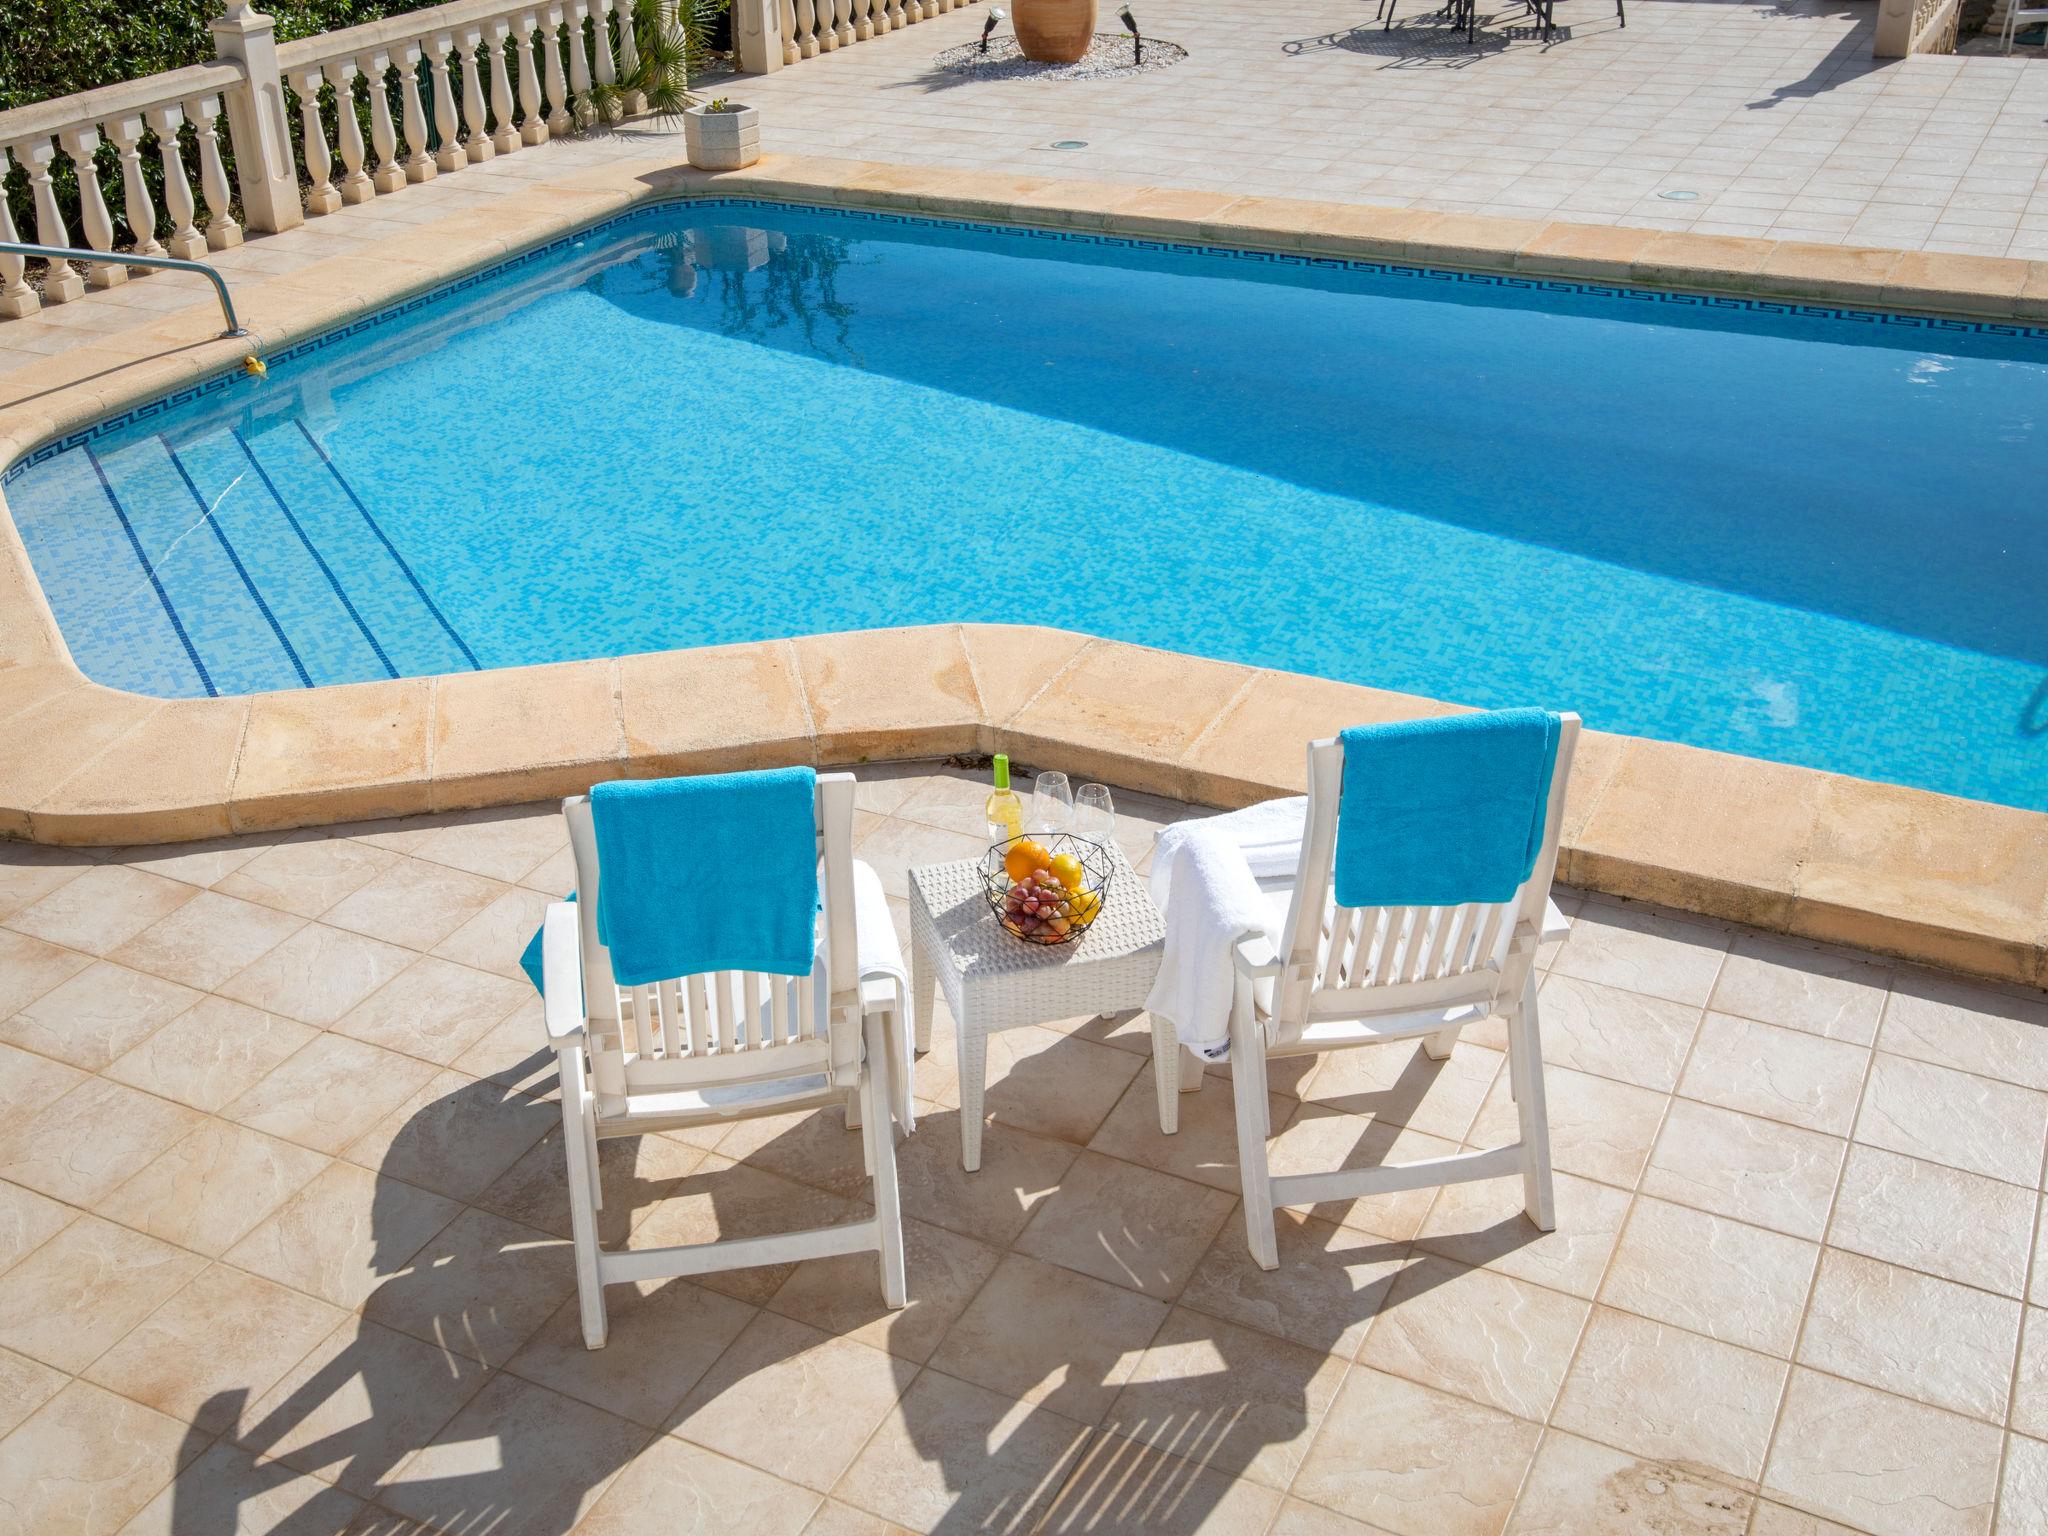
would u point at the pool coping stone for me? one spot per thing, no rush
(1932, 878)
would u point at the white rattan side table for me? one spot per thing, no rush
(994, 980)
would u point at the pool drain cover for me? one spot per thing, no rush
(1068, 144)
(1679, 195)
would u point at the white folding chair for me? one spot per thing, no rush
(1357, 976)
(715, 1046)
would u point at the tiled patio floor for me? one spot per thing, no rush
(282, 1245)
(1774, 116)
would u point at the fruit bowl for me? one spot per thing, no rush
(1046, 889)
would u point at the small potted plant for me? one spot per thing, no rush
(722, 135)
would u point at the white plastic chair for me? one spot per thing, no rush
(723, 1045)
(2018, 16)
(1358, 976)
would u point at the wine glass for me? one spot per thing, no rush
(1052, 803)
(1094, 814)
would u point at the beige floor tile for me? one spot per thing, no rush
(1319, 1139)
(1881, 1463)
(224, 1339)
(811, 1146)
(1820, 991)
(1755, 1170)
(892, 846)
(317, 975)
(208, 939)
(30, 871)
(359, 1404)
(86, 1461)
(1908, 1333)
(213, 1186)
(843, 1295)
(482, 1286)
(793, 1401)
(2030, 1381)
(413, 902)
(836, 1519)
(456, 1136)
(102, 909)
(80, 1147)
(329, 1093)
(721, 1199)
(1018, 1173)
(1204, 1148)
(306, 876)
(1669, 1395)
(30, 1083)
(1042, 1334)
(518, 1460)
(434, 1010)
(674, 1488)
(1780, 1074)
(1400, 1084)
(1955, 1023)
(1330, 1283)
(662, 1336)
(1956, 1118)
(500, 843)
(27, 1221)
(1297, 1518)
(1640, 949)
(1617, 1034)
(1051, 1084)
(1240, 1403)
(1128, 1225)
(227, 1490)
(514, 1052)
(2037, 1290)
(25, 1385)
(342, 1235)
(211, 1053)
(1578, 1488)
(1960, 1226)
(1122, 1485)
(1418, 1462)
(30, 967)
(1483, 1224)
(1783, 1520)
(198, 863)
(1599, 1129)
(79, 1294)
(1731, 1281)
(1477, 1333)
(97, 1015)
(494, 939)
(950, 1455)
(2023, 1492)
(638, 1173)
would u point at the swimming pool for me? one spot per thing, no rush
(1798, 533)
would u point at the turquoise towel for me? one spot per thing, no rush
(530, 960)
(718, 873)
(1442, 811)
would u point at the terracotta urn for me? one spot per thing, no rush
(1053, 31)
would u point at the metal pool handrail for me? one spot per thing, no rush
(131, 259)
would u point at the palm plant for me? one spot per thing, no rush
(673, 41)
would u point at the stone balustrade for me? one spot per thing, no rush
(806, 28)
(1906, 27)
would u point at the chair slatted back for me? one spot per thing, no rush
(725, 1026)
(1344, 962)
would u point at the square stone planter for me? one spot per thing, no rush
(722, 141)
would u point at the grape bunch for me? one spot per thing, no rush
(1039, 908)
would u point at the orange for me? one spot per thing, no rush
(1025, 858)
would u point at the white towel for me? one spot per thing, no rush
(1205, 879)
(874, 929)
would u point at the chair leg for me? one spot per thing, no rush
(596, 1169)
(1525, 1062)
(1166, 1074)
(577, 1124)
(853, 1116)
(973, 1052)
(924, 990)
(902, 1067)
(1248, 1095)
(1437, 1047)
(888, 1210)
(1390, 16)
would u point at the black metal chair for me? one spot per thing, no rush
(1545, 10)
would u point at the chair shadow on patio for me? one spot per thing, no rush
(461, 1395)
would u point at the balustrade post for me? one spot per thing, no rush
(356, 186)
(186, 243)
(863, 28)
(785, 15)
(264, 168)
(125, 133)
(450, 156)
(559, 120)
(321, 197)
(61, 284)
(629, 56)
(896, 16)
(579, 61)
(222, 232)
(475, 115)
(807, 27)
(533, 128)
(419, 165)
(80, 143)
(759, 36)
(389, 175)
(601, 42)
(17, 299)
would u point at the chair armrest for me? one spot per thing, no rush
(1255, 957)
(561, 970)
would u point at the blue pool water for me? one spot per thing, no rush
(1805, 536)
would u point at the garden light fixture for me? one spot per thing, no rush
(989, 26)
(1131, 26)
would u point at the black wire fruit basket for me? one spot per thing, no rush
(1056, 901)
